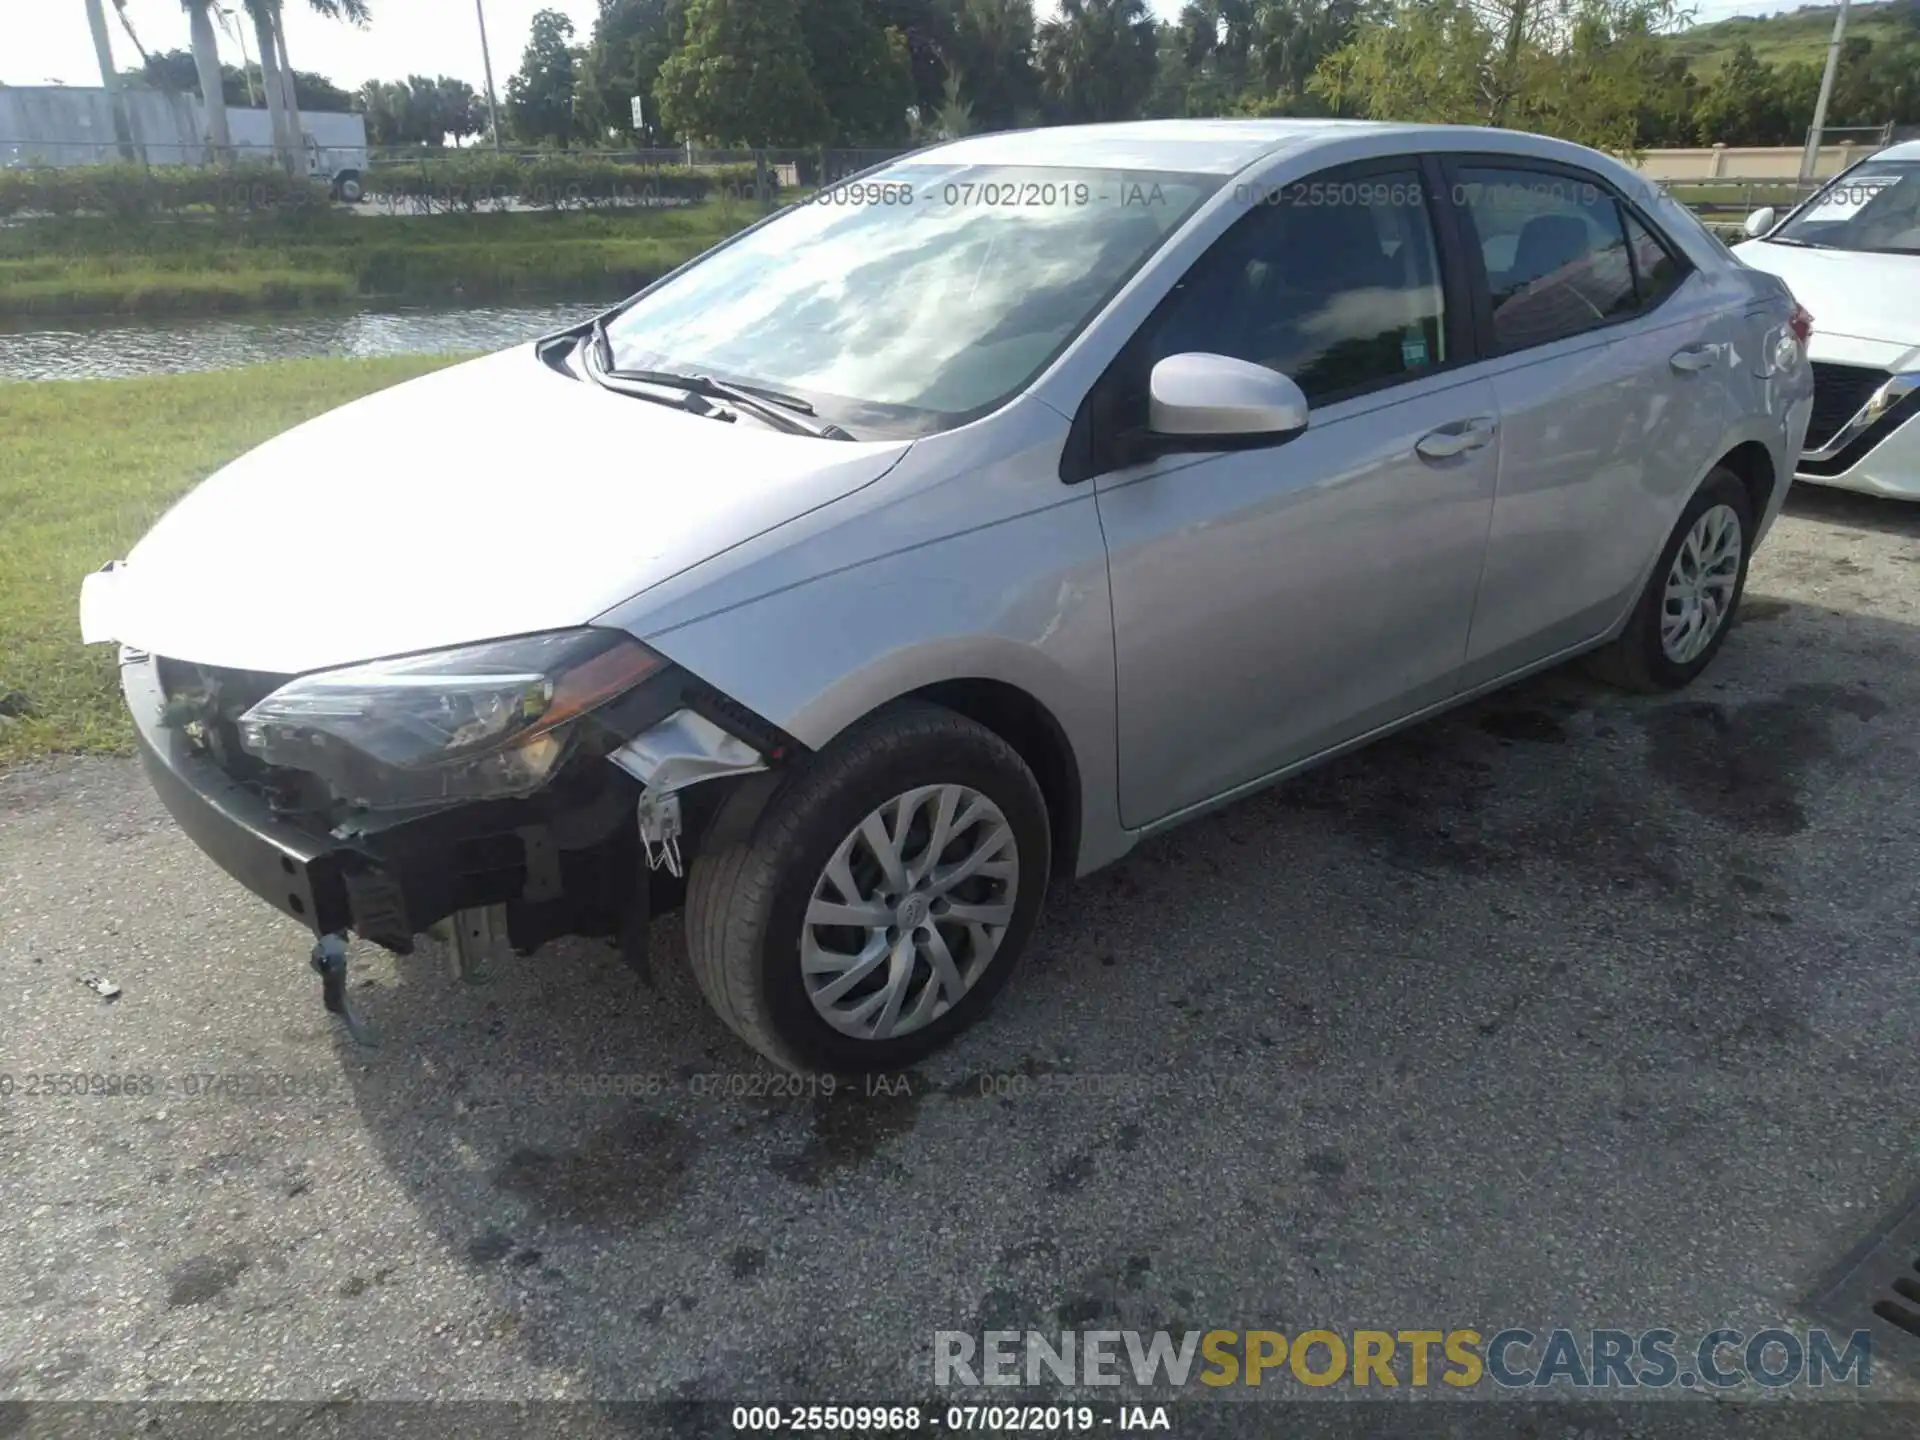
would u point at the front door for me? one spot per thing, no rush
(1272, 603)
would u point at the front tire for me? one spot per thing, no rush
(1692, 596)
(881, 899)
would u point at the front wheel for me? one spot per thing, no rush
(1688, 607)
(881, 899)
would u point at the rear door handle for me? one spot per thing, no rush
(1695, 357)
(1457, 438)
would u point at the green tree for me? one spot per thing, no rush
(173, 71)
(991, 56)
(928, 28)
(1667, 109)
(862, 70)
(540, 95)
(1258, 56)
(420, 111)
(1097, 59)
(1175, 78)
(631, 41)
(1742, 104)
(1426, 61)
(741, 77)
(1581, 69)
(317, 92)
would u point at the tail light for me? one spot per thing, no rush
(1801, 324)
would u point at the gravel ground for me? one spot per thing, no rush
(1569, 1008)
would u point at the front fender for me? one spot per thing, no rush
(1023, 602)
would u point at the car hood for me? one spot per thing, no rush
(496, 497)
(1853, 295)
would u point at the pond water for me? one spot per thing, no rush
(88, 350)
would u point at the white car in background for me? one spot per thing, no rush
(1852, 256)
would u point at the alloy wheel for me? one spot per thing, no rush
(907, 915)
(1700, 585)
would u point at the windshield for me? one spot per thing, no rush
(916, 298)
(1874, 206)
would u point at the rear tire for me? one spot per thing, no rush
(1664, 647)
(920, 947)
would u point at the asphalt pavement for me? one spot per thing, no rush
(1570, 1008)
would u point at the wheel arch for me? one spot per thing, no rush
(1032, 730)
(1753, 463)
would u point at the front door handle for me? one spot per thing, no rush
(1695, 357)
(1457, 438)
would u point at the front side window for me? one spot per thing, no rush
(916, 298)
(1333, 282)
(1873, 206)
(1554, 250)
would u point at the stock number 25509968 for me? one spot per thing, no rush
(990, 1419)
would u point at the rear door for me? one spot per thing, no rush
(1613, 363)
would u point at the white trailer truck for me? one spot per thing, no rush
(73, 125)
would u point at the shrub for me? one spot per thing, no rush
(552, 181)
(133, 192)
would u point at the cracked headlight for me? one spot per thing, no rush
(480, 722)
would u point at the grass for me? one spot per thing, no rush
(1801, 35)
(98, 266)
(85, 468)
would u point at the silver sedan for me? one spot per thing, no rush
(951, 531)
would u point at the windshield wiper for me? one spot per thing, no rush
(770, 405)
(759, 399)
(607, 378)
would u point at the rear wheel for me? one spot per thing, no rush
(881, 899)
(1688, 606)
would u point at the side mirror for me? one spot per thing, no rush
(1222, 402)
(1759, 222)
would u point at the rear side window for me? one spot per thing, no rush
(1656, 272)
(1333, 281)
(1554, 250)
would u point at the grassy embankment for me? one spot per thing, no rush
(195, 265)
(85, 468)
(1801, 35)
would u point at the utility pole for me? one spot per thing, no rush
(486, 61)
(1812, 156)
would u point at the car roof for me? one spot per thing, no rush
(1226, 147)
(1207, 147)
(1905, 150)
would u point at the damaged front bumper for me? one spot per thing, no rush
(556, 860)
(573, 859)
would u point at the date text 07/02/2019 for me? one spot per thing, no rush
(958, 1419)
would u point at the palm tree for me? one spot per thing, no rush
(276, 70)
(265, 15)
(110, 78)
(1097, 58)
(206, 60)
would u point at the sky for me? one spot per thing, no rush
(47, 41)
